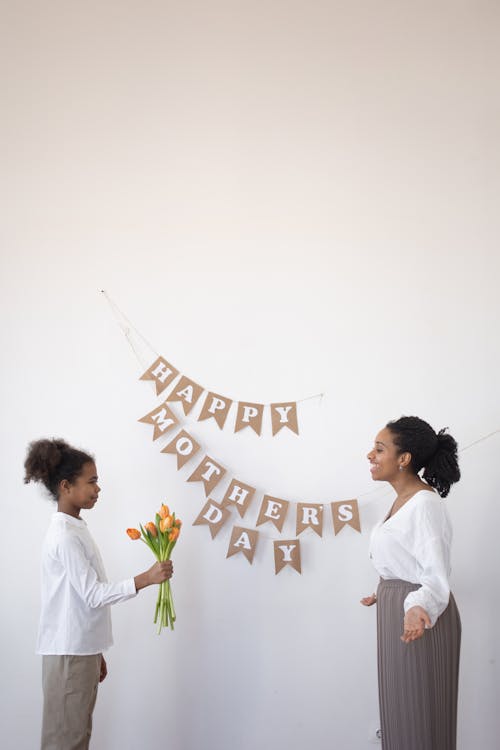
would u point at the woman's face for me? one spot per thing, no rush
(384, 457)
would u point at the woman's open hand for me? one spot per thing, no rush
(367, 601)
(414, 624)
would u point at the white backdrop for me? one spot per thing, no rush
(312, 186)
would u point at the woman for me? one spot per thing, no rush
(75, 621)
(418, 624)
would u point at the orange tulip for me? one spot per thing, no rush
(164, 511)
(178, 522)
(151, 527)
(134, 533)
(165, 523)
(174, 534)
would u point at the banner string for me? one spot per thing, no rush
(479, 440)
(120, 316)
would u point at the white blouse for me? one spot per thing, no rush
(75, 617)
(414, 545)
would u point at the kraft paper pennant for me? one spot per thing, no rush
(162, 418)
(249, 415)
(239, 494)
(243, 540)
(209, 472)
(284, 415)
(346, 513)
(287, 553)
(212, 515)
(309, 516)
(187, 392)
(215, 407)
(162, 373)
(274, 510)
(183, 446)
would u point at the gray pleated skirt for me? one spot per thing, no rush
(418, 681)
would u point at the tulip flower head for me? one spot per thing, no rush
(174, 534)
(165, 524)
(151, 527)
(164, 511)
(134, 533)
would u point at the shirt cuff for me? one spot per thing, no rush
(129, 587)
(419, 599)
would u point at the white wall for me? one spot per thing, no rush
(311, 185)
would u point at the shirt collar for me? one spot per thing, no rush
(69, 519)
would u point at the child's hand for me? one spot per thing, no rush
(157, 573)
(161, 571)
(367, 601)
(104, 669)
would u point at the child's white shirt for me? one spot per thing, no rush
(76, 597)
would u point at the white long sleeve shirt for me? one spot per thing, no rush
(414, 545)
(76, 597)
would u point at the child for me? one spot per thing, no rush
(75, 621)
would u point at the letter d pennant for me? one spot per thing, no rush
(214, 516)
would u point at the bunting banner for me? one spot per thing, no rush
(244, 541)
(287, 553)
(239, 495)
(346, 513)
(214, 516)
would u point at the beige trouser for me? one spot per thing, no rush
(69, 695)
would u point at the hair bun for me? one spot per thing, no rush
(44, 456)
(446, 442)
(442, 469)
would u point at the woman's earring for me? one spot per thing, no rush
(400, 467)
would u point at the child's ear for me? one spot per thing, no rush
(64, 485)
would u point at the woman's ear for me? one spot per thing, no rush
(405, 459)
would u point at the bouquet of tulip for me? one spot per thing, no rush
(161, 537)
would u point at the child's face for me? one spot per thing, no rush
(83, 493)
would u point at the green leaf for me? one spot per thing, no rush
(148, 539)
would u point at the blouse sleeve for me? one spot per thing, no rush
(434, 592)
(431, 548)
(83, 576)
